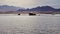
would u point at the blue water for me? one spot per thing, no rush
(43, 24)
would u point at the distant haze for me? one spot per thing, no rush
(31, 3)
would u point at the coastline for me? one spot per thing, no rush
(27, 12)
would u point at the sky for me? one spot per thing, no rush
(31, 3)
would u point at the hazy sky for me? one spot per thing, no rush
(31, 3)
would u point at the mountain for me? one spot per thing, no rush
(58, 10)
(8, 8)
(38, 8)
(43, 8)
(21, 10)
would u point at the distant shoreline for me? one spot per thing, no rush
(27, 12)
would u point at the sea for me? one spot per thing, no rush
(25, 24)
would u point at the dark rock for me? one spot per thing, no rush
(32, 14)
(18, 14)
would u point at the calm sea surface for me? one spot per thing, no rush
(43, 24)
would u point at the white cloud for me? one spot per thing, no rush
(22, 3)
(29, 3)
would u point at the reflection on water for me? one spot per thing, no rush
(30, 24)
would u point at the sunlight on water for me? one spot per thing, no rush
(43, 24)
